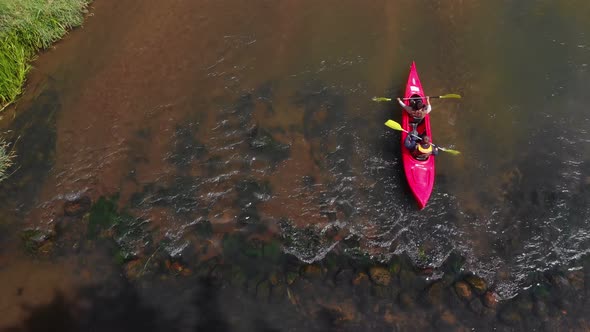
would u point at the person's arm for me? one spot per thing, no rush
(410, 143)
(428, 107)
(434, 150)
(406, 107)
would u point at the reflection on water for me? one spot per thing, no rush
(257, 120)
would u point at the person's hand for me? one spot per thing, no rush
(398, 99)
(427, 100)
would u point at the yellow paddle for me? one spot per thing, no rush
(396, 126)
(450, 95)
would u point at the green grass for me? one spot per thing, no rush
(6, 158)
(27, 26)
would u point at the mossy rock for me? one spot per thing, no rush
(103, 215)
(463, 290)
(34, 239)
(394, 267)
(312, 271)
(291, 277)
(479, 284)
(263, 290)
(380, 275)
(272, 251)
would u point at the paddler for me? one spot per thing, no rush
(417, 110)
(420, 150)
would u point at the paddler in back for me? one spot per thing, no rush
(420, 150)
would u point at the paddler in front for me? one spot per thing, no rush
(417, 110)
(420, 150)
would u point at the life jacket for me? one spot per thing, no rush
(422, 153)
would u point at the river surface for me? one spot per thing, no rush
(252, 114)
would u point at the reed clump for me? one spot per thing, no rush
(6, 159)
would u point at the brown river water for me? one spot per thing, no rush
(156, 138)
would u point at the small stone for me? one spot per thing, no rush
(576, 279)
(476, 306)
(448, 318)
(463, 290)
(407, 300)
(77, 207)
(524, 303)
(361, 279)
(278, 293)
(344, 277)
(490, 299)
(540, 309)
(435, 293)
(394, 267)
(311, 271)
(263, 290)
(238, 278)
(381, 291)
(510, 316)
(274, 279)
(478, 284)
(388, 317)
(406, 279)
(380, 275)
(291, 277)
(560, 282)
(134, 269)
(345, 311)
(46, 248)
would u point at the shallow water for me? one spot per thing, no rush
(259, 116)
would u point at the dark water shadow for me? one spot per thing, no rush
(34, 137)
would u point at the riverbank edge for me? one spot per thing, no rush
(28, 27)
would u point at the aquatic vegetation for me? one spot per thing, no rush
(129, 233)
(6, 158)
(36, 241)
(25, 27)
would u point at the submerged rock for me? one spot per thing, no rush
(380, 275)
(540, 309)
(38, 241)
(463, 290)
(434, 295)
(476, 306)
(407, 300)
(446, 320)
(344, 277)
(510, 316)
(312, 271)
(77, 207)
(267, 147)
(490, 299)
(576, 279)
(478, 284)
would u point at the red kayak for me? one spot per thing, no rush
(420, 174)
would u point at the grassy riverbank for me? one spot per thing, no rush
(27, 26)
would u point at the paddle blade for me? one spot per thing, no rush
(451, 151)
(394, 125)
(450, 95)
(379, 99)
